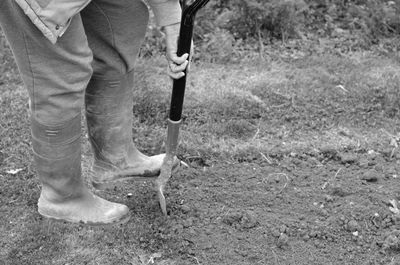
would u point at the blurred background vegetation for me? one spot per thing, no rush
(229, 30)
(236, 30)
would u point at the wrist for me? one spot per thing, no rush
(166, 12)
(172, 28)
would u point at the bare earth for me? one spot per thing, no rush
(290, 163)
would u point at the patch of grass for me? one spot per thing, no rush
(251, 108)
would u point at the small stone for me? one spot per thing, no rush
(391, 242)
(207, 245)
(379, 168)
(328, 151)
(352, 226)
(283, 229)
(390, 173)
(324, 212)
(185, 208)
(339, 191)
(129, 195)
(363, 163)
(303, 224)
(275, 232)
(313, 233)
(283, 240)
(371, 152)
(371, 176)
(233, 218)
(348, 158)
(249, 220)
(208, 231)
(328, 198)
(187, 223)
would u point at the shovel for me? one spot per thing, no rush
(178, 93)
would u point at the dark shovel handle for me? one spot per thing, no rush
(184, 46)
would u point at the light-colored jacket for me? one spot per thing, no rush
(52, 17)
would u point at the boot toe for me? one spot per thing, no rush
(117, 213)
(88, 209)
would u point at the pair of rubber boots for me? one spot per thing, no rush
(57, 155)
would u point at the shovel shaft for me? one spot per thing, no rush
(178, 90)
(184, 46)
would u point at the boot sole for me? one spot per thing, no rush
(123, 179)
(120, 221)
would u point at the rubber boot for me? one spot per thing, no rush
(109, 106)
(64, 196)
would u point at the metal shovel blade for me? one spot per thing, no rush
(166, 168)
(161, 181)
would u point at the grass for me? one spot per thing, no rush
(244, 108)
(233, 113)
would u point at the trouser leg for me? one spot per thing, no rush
(55, 77)
(115, 32)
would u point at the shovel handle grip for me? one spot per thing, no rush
(184, 46)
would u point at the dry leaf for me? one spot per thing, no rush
(395, 208)
(154, 256)
(14, 171)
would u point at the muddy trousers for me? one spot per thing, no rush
(101, 43)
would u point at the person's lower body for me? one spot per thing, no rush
(56, 77)
(109, 95)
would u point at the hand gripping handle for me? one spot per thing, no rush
(184, 46)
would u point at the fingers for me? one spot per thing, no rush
(175, 68)
(175, 75)
(177, 65)
(176, 59)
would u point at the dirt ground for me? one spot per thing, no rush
(319, 207)
(323, 188)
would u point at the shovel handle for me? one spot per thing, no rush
(184, 46)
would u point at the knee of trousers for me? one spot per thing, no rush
(56, 141)
(56, 100)
(115, 36)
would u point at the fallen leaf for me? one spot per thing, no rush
(371, 152)
(342, 88)
(394, 142)
(14, 171)
(395, 208)
(154, 256)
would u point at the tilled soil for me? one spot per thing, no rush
(298, 208)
